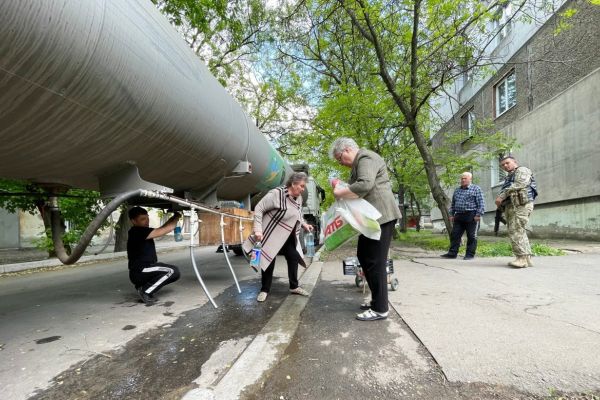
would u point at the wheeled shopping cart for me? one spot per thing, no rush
(352, 267)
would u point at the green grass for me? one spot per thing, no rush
(485, 247)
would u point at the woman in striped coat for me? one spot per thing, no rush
(277, 223)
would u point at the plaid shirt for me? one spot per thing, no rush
(467, 199)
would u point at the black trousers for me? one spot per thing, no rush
(154, 276)
(373, 255)
(293, 259)
(464, 222)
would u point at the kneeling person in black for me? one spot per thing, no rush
(145, 272)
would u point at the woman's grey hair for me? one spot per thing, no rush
(295, 178)
(340, 145)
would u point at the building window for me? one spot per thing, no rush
(506, 94)
(498, 174)
(467, 75)
(468, 123)
(502, 22)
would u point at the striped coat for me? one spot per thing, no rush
(276, 216)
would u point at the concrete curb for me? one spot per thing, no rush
(267, 347)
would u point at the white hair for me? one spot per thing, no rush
(342, 144)
(295, 178)
(468, 174)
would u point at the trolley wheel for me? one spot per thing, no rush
(394, 283)
(358, 280)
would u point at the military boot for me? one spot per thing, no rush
(519, 262)
(529, 262)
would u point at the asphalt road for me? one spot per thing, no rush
(84, 316)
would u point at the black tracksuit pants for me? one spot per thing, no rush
(153, 277)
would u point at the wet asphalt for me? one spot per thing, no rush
(162, 363)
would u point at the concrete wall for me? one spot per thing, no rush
(499, 52)
(556, 122)
(560, 142)
(31, 228)
(9, 230)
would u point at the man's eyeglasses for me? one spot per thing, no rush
(338, 156)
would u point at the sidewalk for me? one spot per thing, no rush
(460, 330)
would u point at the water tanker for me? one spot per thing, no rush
(94, 92)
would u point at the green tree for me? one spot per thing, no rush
(413, 48)
(223, 33)
(234, 39)
(78, 208)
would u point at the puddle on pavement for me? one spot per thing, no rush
(48, 339)
(163, 362)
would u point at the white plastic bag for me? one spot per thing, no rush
(361, 215)
(348, 217)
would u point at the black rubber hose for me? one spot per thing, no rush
(89, 233)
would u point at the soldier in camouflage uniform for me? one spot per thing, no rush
(518, 192)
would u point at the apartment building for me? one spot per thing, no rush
(545, 93)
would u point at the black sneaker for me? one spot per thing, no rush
(447, 255)
(146, 298)
(468, 257)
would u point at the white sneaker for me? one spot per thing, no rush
(262, 296)
(299, 291)
(371, 315)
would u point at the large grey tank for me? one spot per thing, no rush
(88, 87)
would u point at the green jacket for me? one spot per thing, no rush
(369, 180)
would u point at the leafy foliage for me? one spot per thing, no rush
(221, 32)
(377, 65)
(78, 209)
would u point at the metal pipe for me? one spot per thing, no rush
(242, 240)
(222, 224)
(193, 222)
(93, 227)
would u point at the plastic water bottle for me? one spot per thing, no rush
(177, 234)
(335, 182)
(255, 256)
(309, 240)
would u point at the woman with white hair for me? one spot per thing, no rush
(277, 223)
(369, 180)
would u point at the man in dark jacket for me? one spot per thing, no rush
(145, 272)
